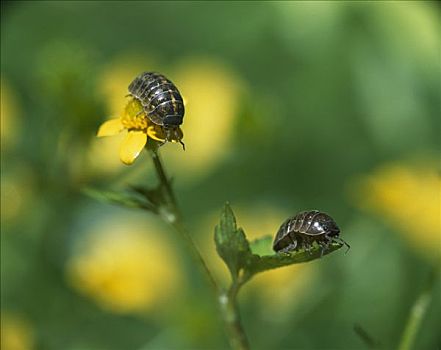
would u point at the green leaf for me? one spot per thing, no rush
(258, 263)
(122, 199)
(154, 195)
(257, 256)
(262, 246)
(231, 243)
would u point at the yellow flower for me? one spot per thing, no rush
(16, 333)
(212, 91)
(125, 269)
(139, 127)
(112, 87)
(409, 198)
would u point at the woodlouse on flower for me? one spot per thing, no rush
(161, 101)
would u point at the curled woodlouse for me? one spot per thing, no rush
(303, 229)
(161, 101)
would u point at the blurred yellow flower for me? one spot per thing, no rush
(408, 197)
(100, 156)
(274, 289)
(16, 334)
(9, 113)
(139, 127)
(125, 269)
(116, 77)
(212, 93)
(17, 192)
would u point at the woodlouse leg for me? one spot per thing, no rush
(341, 240)
(292, 245)
(289, 248)
(327, 243)
(323, 246)
(302, 245)
(308, 246)
(139, 113)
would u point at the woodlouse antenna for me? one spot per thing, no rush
(341, 240)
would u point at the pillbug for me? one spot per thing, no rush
(303, 229)
(161, 101)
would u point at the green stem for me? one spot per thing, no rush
(231, 315)
(417, 312)
(180, 228)
(172, 215)
(170, 196)
(227, 301)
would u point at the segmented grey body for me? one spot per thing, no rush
(160, 98)
(303, 229)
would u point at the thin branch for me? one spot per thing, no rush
(174, 218)
(231, 315)
(367, 339)
(417, 313)
(227, 300)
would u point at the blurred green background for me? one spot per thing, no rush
(290, 106)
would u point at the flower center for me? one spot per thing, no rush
(134, 116)
(136, 122)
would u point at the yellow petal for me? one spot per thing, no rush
(110, 127)
(132, 146)
(156, 133)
